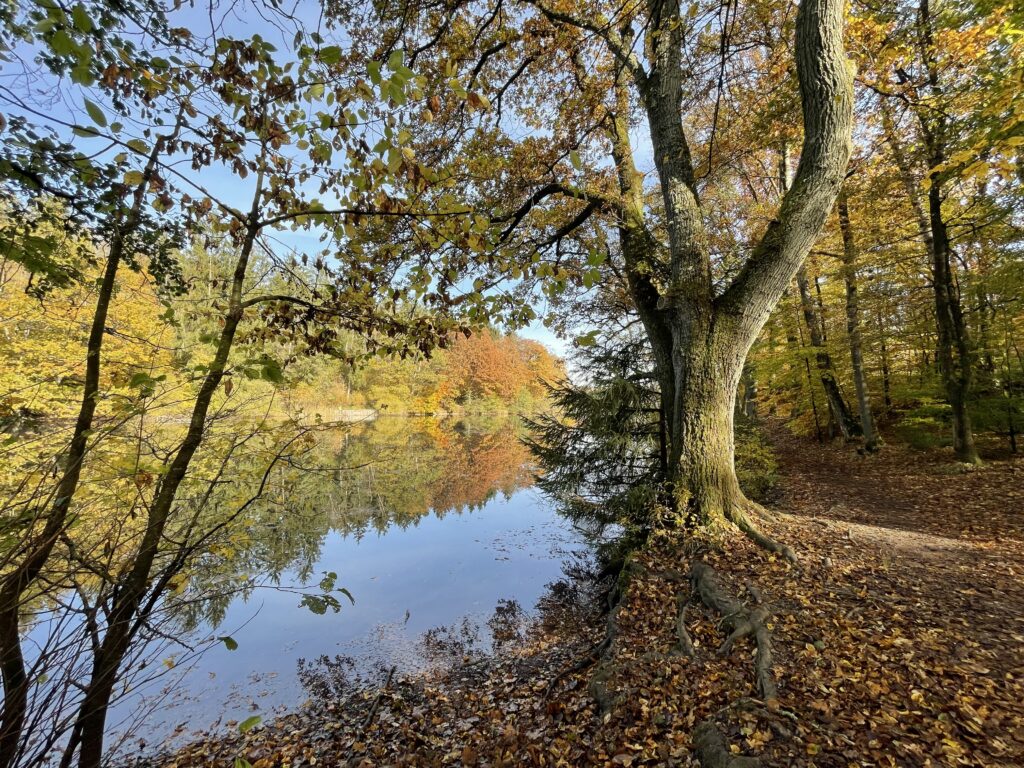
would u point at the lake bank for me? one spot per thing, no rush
(413, 525)
(942, 685)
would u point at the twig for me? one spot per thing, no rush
(376, 702)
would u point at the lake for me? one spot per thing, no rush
(424, 523)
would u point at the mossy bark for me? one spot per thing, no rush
(700, 337)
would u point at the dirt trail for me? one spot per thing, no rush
(925, 563)
(959, 533)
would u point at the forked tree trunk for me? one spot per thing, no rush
(700, 339)
(954, 347)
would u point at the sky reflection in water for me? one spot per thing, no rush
(440, 528)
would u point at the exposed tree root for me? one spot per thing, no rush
(597, 652)
(741, 623)
(713, 752)
(739, 517)
(602, 654)
(684, 644)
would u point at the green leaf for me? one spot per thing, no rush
(272, 371)
(574, 158)
(133, 178)
(241, 762)
(249, 723)
(62, 44)
(229, 642)
(96, 114)
(80, 18)
(330, 55)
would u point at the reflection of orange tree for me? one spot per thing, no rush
(477, 467)
(404, 469)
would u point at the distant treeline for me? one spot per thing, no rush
(156, 344)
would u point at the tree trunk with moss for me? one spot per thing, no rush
(701, 338)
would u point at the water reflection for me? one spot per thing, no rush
(424, 523)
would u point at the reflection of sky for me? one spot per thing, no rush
(438, 570)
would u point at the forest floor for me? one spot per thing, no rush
(898, 640)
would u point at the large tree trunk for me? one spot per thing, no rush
(867, 421)
(699, 340)
(701, 435)
(701, 438)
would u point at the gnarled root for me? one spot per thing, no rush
(606, 667)
(684, 644)
(737, 515)
(603, 653)
(712, 751)
(741, 623)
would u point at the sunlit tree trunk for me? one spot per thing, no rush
(699, 338)
(838, 408)
(712, 335)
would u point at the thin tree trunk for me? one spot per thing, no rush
(748, 395)
(953, 348)
(34, 554)
(826, 371)
(886, 384)
(801, 346)
(867, 421)
(123, 624)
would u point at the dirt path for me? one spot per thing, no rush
(927, 561)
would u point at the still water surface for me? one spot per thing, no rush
(437, 523)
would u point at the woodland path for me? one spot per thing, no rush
(938, 553)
